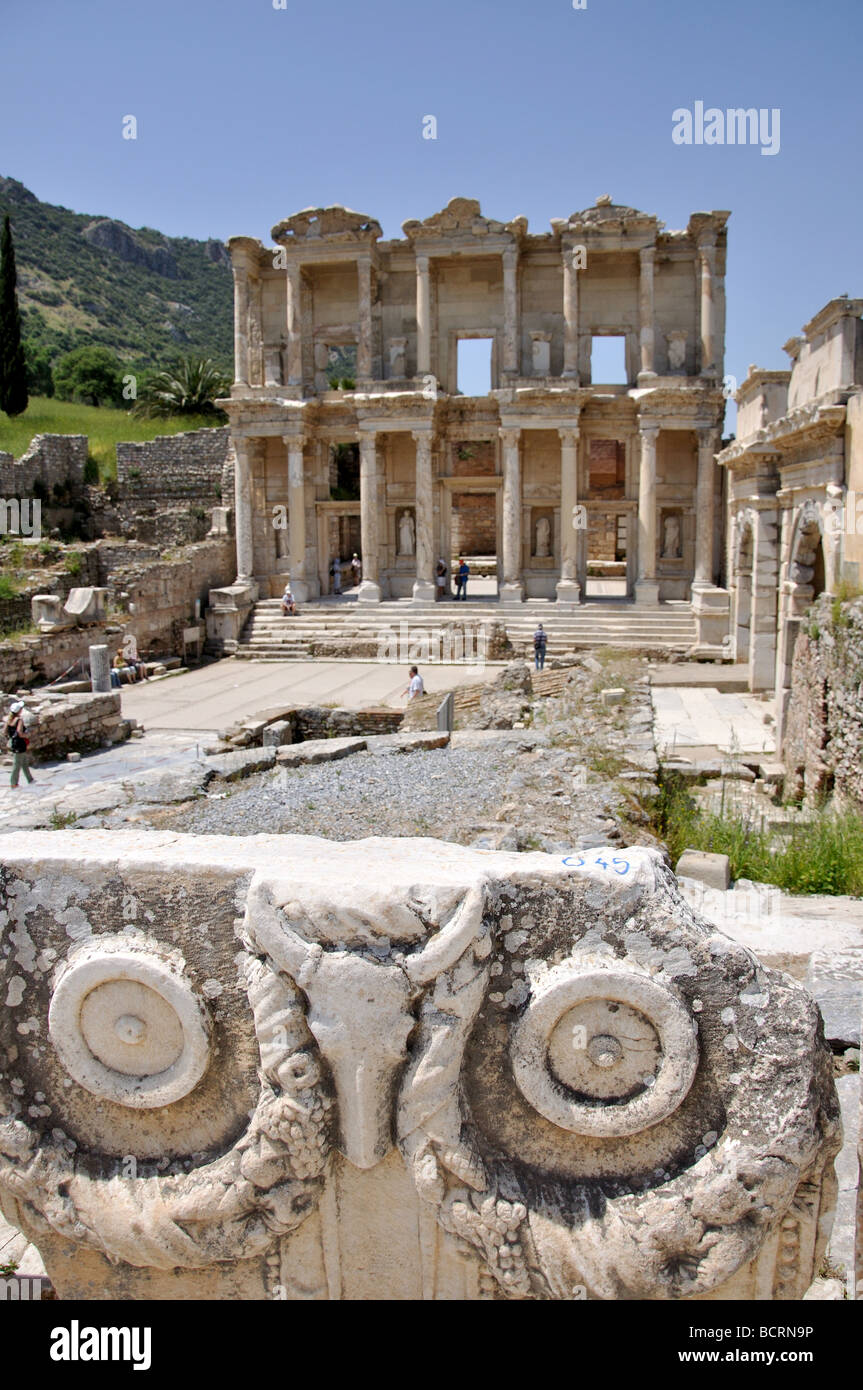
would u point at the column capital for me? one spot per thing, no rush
(426, 436)
(707, 437)
(295, 441)
(510, 435)
(649, 428)
(647, 255)
(422, 262)
(509, 256)
(570, 434)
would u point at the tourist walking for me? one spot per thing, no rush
(337, 575)
(440, 575)
(415, 686)
(16, 728)
(356, 568)
(461, 577)
(540, 641)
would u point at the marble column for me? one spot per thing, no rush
(568, 588)
(423, 316)
(646, 586)
(570, 316)
(511, 590)
(707, 262)
(647, 312)
(423, 590)
(704, 505)
(243, 509)
(294, 324)
(364, 346)
(370, 589)
(241, 325)
(511, 331)
(297, 515)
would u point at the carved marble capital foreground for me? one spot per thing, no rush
(280, 1067)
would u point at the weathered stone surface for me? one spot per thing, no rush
(242, 763)
(319, 750)
(404, 1070)
(277, 734)
(709, 869)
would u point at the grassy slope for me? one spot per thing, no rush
(72, 293)
(105, 428)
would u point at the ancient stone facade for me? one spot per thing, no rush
(263, 1067)
(794, 474)
(333, 303)
(72, 723)
(823, 734)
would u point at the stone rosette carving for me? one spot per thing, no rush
(412, 1070)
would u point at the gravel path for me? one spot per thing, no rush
(445, 792)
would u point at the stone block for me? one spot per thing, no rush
(242, 763)
(710, 869)
(319, 750)
(277, 734)
(412, 1035)
(613, 696)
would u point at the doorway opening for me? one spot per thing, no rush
(607, 523)
(344, 473)
(473, 537)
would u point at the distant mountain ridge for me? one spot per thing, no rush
(91, 279)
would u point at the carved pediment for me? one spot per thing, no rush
(335, 223)
(459, 216)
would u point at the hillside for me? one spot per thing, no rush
(90, 279)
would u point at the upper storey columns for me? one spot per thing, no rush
(364, 299)
(647, 310)
(245, 267)
(510, 313)
(707, 268)
(294, 324)
(423, 315)
(570, 312)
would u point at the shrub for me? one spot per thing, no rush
(74, 562)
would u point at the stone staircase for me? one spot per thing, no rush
(347, 629)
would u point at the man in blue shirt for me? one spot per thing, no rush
(461, 579)
(540, 641)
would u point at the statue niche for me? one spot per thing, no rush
(406, 534)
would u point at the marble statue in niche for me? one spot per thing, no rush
(407, 534)
(543, 538)
(671, 538)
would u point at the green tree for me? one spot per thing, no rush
(13, 369)
(190, 387)
(89, 374)
(40, 378)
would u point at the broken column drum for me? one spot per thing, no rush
(398, 1069)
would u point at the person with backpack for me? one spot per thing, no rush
(19, 742)
(540, 641)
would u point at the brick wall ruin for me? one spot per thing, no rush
(823, 741)
(53, 461)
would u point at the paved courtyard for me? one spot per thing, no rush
(214, 697)
(700, 717)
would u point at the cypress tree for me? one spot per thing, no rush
(13, 369)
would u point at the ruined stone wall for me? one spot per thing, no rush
(52, 460)
(167, 488)
(823, 743)
(315, 721)
(164, 593)
(69, 723)
(45, 657)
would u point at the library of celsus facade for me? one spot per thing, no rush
(346, 412)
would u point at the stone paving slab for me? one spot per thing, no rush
(242, 763)
(694, 717)
(317, 750)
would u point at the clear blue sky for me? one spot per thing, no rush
(247, 113)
